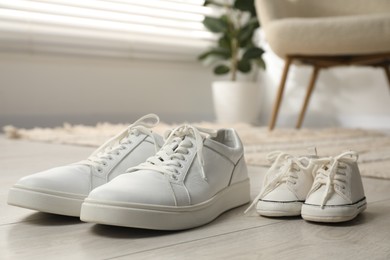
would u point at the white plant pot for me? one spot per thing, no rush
(236, 102)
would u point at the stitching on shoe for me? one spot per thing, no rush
(234, 168)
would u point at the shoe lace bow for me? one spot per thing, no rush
(112, 147)
(172, 155)
(331, 173)
(284, 169)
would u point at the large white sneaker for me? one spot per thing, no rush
(285, 185)
(197, 175)
(337, 194)
(62, 190)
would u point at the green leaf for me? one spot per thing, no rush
(261, 63)
(253, 53)
(246, 5)
(207, 2)
(254, 21)
(203, 55)
(223, 53)
(216, 25)
(245, 35)
(212, 60)
(244, 66)
(225, 42)
(221, 69)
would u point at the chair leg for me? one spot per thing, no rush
(279, 95)
(387, 71)
(308, 95)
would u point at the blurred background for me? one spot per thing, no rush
(91, 61)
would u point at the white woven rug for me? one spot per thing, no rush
(373, 147)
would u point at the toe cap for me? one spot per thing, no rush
(75, 179)
(140, 187)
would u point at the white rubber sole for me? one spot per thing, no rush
(333, 213)
(46, 201)
(165, 217)
(279, 209)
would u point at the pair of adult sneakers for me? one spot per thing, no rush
(140, 179)
(327, 189)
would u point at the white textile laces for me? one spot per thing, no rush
(332, 173)
(112, 147)
(284, 169)
(173, 153)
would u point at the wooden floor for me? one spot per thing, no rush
(26, 234)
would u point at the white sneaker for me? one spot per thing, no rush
(62, 190)
(197, 175)
(285, 185)
(337, 194)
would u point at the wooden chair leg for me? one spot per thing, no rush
(308, 95)
(279, 95)
(387, 71)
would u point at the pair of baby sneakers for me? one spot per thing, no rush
(140, 179)
(327, 189)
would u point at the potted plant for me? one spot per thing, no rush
(234, 53)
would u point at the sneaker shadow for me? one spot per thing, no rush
(126, 232)
(47, 219)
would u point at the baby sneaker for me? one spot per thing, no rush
(197, 175)
(285, 185)
(62, 190)
(337, 194)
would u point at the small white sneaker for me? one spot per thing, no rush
(197, 175)
(62, 190)
(337, 194)
(285, 185)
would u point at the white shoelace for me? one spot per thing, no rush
(286, 167)
(172, 155)
(331, 173)
(113, 146)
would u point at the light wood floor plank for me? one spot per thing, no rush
(25, 234)
(367, 237)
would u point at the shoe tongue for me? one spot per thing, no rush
(305, 161)
(175, 147)
(176, 142)
(172, 147)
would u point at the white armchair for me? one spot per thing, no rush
(325, 34)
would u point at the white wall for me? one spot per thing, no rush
(39, 90)
(343, 96)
